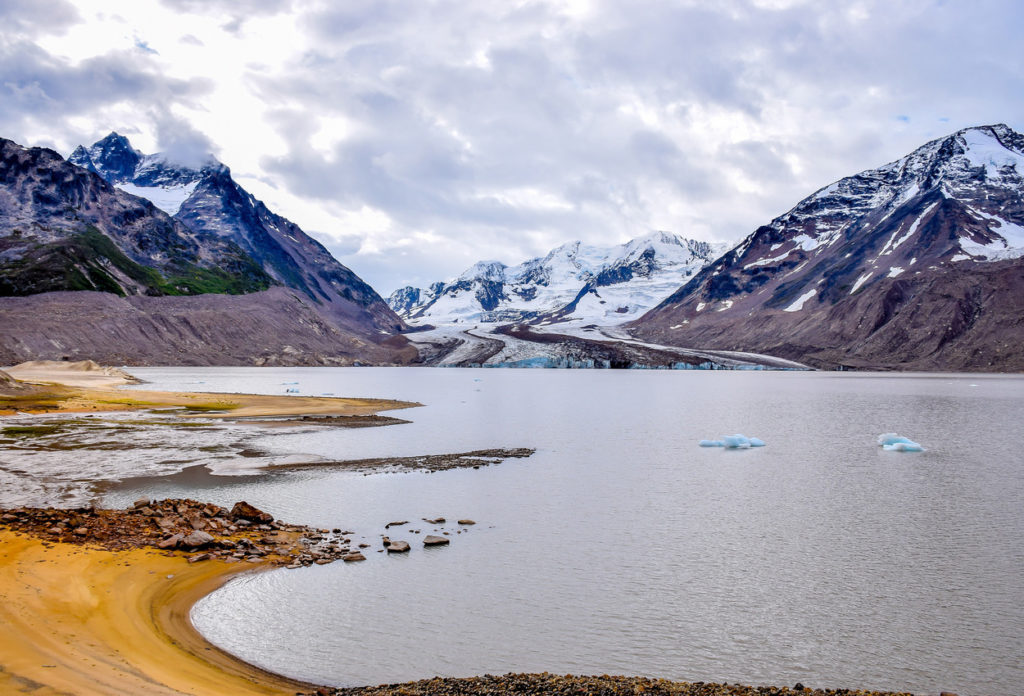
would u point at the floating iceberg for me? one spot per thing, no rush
(891, 442)
(736, 441)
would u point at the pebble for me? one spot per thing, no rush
(566, 685)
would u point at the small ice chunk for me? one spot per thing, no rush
(903, 447)
(891, 442)
(736, 441)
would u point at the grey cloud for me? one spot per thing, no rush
(37, 85)
(37, 17)
(238, 8)
(180, 142)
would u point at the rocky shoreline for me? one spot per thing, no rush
(199, 531)
(571, 685)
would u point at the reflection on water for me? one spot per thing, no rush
(622, 547)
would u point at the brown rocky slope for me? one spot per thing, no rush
(279, 326)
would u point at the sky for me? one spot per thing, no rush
(416, 138)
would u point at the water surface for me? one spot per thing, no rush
(622, 547)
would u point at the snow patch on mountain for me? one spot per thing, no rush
(166, 198)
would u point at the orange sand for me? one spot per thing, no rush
(88, 621)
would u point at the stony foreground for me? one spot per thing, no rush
(559, 685)
(201, 531)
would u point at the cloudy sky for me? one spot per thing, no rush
(415, 138)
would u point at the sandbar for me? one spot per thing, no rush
(85, 387)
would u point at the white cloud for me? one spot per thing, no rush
(416, 138)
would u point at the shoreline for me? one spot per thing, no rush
(86, 620)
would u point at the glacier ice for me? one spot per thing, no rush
(736, 441)
(891, 442)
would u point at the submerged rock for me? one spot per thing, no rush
(431, 540)
(398, 547)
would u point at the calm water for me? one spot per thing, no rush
(622, 547)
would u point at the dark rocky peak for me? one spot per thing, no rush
(118, 162)
(113, 158)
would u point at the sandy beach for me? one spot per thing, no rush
(83, 620)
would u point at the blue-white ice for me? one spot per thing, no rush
(736, 441)
(891, 442)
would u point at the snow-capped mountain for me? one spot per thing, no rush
(209, 201)
(576, 281)
(915, 264)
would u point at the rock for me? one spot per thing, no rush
(196, 522)
(431, 540)
(395, 524)
(9, 517)
(436, 520)
(81, 531)
(140, 503)
(324, 561)
(197, 539)
(199, 557)
(244, 511)
(54, 530)
(350, 557)
(398, 547)
(466, 522)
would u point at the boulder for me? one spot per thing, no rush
(140, 503)
(199, 557)
(466, 522)
(170, 542)
(398, 547)
(395, 524)
(350, 557)
(431, 540)
(197, 539)
(244, 511)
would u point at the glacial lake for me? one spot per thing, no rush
(621, 547)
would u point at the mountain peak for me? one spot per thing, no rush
(898, 260)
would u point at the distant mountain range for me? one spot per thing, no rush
(576, 281)
(129, 258)
(113, 220)
(914, 265)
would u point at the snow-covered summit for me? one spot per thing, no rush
(156, 177)
(600, 284)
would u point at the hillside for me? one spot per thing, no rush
(916, 265)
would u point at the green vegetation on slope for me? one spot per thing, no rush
(90, 261)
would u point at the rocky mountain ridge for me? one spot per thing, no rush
(914, 265)
(209, 201)
(575, 281)
(64, 227)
